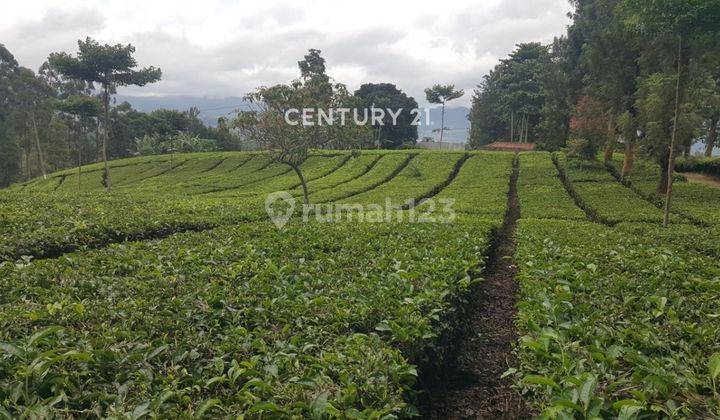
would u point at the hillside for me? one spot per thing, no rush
(175, 295)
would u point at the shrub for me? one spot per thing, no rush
(704, 165)
(582, 149)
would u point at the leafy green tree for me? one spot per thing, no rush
(561, 82)
(486, 120)
(313, 78)
(509, 101)
(610, 58)
(709, 97)
(77, 108)
(388, 96)
(9, 149)
(110, 66)
(442, 94)
(687, 22)
(33, 110)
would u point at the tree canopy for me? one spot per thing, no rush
(388, 96)
(110, 66)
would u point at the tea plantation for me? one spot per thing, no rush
(174, 296)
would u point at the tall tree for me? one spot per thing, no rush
(509, 101)
(110, 66)
(710, 102)
(610, 60)
(33, 109)
(486, 121)
(442, 94)
(561, 82)
(9, 150)
(687, 22)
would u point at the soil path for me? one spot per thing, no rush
(709, 180)
(470, 386)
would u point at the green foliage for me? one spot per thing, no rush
(222, 313)
(9, 150)
(266, 122)
(388, 96)
(108, 65)
(512, 91)
(616, 324)
(330, 327)
(541, 193)
(441, 94)
(710, 166)
(698, 201)
(602, 193)
(582, 149)
(481, 187)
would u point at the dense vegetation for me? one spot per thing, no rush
(611, 82)
(60, 117)
(173, 295)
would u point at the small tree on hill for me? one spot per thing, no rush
(441, 94)
(110, 66)
(290, 144)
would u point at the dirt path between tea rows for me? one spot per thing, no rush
(470, 386)
(709, 180)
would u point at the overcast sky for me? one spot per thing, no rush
(221, 48)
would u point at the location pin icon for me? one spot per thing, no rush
(280, 206)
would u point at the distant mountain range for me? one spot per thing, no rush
(213, 108)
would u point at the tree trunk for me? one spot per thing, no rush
(521, 127)
(79, 146)
(106, 139)
(37, 145)
(442, 123)
(512, 126)
(663, 181)
(712, 136)
(610, 142)
(527, 127)
(629, 159)
(306, 198)
(27, 166)
(97, 140)
(673, 140)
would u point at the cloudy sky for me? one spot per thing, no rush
(222, 48)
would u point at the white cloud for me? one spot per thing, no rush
(226, 48)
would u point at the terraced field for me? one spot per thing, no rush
(694, 201)
(174, 296)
